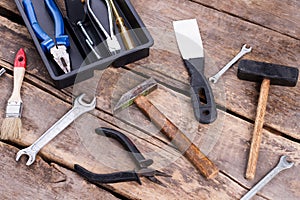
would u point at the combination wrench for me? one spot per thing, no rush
(79, 108)
(282, 165)
(244, 50)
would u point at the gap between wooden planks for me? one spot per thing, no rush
(241, 96)
(230, 156)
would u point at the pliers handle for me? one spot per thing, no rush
(133, 175)
(46, 41)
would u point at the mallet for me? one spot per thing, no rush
(183, 144)
(267, 74)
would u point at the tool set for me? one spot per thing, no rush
(143, 169)
(87, 38)
(206, 167)
(266, 73)
(12, 124)
(104, 28)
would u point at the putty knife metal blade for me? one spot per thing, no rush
(191, 49)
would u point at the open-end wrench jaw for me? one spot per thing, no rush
(284, 163)
(79, 102)
(28, 152)
(79, 107)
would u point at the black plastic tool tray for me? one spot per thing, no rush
(83, 63)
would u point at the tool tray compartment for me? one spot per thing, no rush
(83, 61)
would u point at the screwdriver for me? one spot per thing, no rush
(127, 39)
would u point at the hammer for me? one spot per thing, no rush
(266, 73)
(178, 138)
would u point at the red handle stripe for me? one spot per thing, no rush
(20, 59)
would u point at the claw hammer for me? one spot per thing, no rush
(137, 95)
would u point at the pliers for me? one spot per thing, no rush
(57, 47)
(133, 175)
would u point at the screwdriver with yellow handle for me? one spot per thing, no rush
(127, 39)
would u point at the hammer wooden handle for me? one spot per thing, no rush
(206, 167)
(257, 133)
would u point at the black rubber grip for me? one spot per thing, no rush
(201, 93)
(116, 177)
(128, 145)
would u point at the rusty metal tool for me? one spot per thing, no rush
(124, 176)
(126, 37)
(191, 48)
(267, 74)
(282, 165)
(80, 107)
(206, 167)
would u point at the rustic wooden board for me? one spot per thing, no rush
(281, 16)
(68, 148)
(237, 96)
(208, 137)
(42, 181)
(240, 97)
(223, 36)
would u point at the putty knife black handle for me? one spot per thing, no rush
(201, 93)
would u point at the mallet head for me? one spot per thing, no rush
(277, 74)
(128, 98)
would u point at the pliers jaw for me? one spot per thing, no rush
(61, 57)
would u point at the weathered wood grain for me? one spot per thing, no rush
(229, 135)
(70, 148)
(223, 36)
(42, 181)
(281, 16)
(237, 96)
(218, 30)
(77, 143)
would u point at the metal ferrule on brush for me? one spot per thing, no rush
(14, 109)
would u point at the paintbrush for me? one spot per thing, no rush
(12, 124)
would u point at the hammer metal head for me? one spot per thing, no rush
(142, 89)
(277, 74)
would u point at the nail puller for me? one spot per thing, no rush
(57, 47)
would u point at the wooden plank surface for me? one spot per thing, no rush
(46, 181)
(223, 31)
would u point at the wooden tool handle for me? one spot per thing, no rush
(184, 145)
(259, 122)
(19, 71)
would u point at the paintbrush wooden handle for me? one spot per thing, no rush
(19, 71)
(206, 167)
(258, 126)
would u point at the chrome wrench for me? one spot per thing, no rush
(282, 165)
(79, 108)
(244, 50)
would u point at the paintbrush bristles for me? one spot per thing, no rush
(11, 128)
